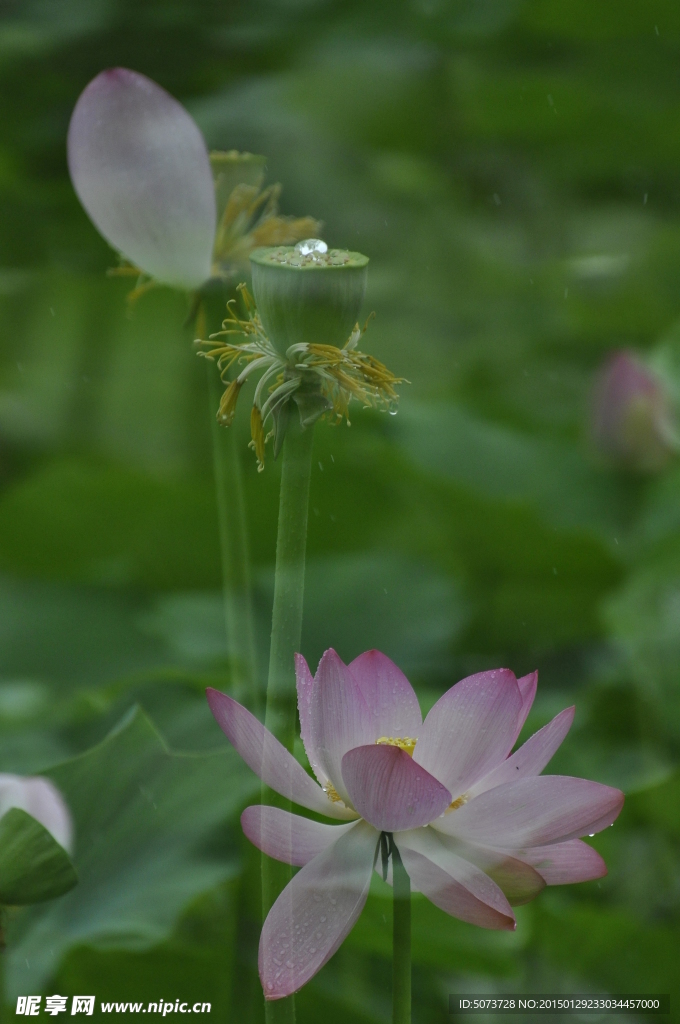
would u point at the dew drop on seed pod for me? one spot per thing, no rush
(311, 245)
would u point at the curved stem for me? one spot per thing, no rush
(289, 584)
(401, 939)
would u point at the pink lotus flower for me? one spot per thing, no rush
(477, 829)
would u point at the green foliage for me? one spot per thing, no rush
(150, 836)
(511, 169)
(33, 866)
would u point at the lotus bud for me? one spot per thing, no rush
(632, 422)
(308, 293)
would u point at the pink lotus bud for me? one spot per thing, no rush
(141, 170)
(41, 799)
(632, 423)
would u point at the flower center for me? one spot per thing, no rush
(332, 793)
(406, 743)
(459, 802)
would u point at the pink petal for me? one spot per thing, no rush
(288, 837)
(340, 719)
(534, 812)
(141, 170)
(268, 758)
(305, 691)
(388, 694)
(531, 758)
(470, 729)
(315, 912)
(562, 863)
(40, 798)
(390, 790)
(454, 885)
(527, 688)
(518, 881)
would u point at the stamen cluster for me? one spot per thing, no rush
(321, 379)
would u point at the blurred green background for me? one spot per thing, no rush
(512, 168)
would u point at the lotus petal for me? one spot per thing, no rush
(532, 756)
(451, 883)
(534, 812)
(388, 694)
(564, 863)
(42, 800)
(305, 690)
(527, 688)
(340, 719)
(286, 836)
(269, 759)
(470, 729)
(141, 169)
(315, 912)
(390, 790)
(513, 874)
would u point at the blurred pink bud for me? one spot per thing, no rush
(141, 169)
(42, 800)
(632, 422)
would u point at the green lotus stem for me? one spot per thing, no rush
(234, 546)
(289, 584)
(401, 941)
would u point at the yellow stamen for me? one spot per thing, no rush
(258, 438)
(332, 793)
(406, 743)
(227, 409)
(459, 802)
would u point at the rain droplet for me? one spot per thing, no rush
(311, 245)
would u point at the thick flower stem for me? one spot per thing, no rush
(289, 582)
(401, 939)
(238, 601)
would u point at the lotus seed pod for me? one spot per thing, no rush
(308, 293)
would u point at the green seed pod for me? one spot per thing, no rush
(307, 293)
